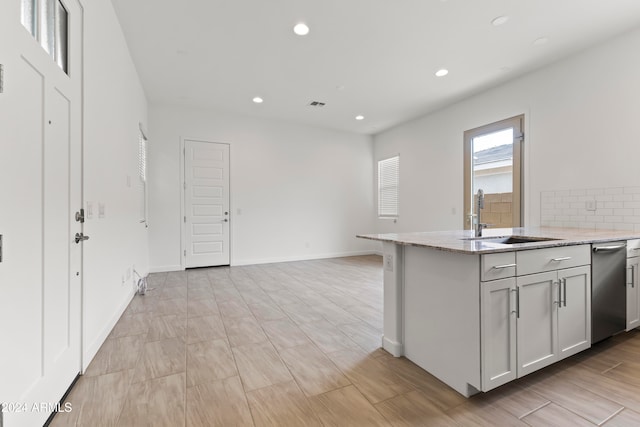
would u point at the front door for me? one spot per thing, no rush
(206, 195)
(40, 183)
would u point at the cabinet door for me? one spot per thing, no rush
(574, 310)
(498, 332)
(536, 323)
(633, 295)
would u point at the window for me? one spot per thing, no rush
(47, 21)
(493, 163)
(388, 187)
(142, 173)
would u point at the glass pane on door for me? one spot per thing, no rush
(492, 171)
(492, 164)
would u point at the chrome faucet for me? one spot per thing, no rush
(478, 224)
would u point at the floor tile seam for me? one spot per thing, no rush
(611, 368)
(581, 415)
(611, 416)
(548, 402)
(612, 399)
(324, 354)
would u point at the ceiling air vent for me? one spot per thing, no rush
(316, 104)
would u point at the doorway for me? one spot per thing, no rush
(206, 210)
(493, 162)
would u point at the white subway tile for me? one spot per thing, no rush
(616, 190)
(622, 212)
(613, 205)
(595, 192)
(622, 197)
(632, 190)
(612, 219)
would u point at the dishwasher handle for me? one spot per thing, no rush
(608, 248)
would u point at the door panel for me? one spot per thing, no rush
(537, 329)
(574, 314)
(498, 332)
(206, 209)
(40, 273)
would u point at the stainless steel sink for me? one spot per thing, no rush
(510, 240)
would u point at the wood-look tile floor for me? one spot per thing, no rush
(297, 344)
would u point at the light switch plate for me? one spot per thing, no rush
(89, 210)
(590, 205)
(101, 210)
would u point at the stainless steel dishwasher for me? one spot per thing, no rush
(608, 289)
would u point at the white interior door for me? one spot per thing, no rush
(40, 180)
(206, 219)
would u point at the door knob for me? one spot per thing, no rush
(80, 237)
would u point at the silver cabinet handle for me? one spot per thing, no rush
(498, 267)
(564, 291)
(635, 249)
(517, 291)
(564, 258)
(559, 302)
(608, 248)
(633, 276)
(79, 237)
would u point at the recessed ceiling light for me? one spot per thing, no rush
(359, 117)
(441, 73)
(540, 41)
(499, 20)
(258, 100)
(301, 29)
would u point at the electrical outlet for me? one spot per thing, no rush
(590, 205)
(388, 262)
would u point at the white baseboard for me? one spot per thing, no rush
(165, 268)
(300, 258)
(91, 350)
(395, 348)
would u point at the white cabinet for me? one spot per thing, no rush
(533, 320)
(498, 312)
(574, 311)
(537, 321)
(633, 294)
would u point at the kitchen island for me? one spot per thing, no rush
(480, 312)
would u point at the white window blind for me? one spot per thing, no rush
(388, 183)
(142, 174)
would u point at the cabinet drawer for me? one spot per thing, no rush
(538, 260)
(633, 248)
(497, 266)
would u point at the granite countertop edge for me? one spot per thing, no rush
(458, 240)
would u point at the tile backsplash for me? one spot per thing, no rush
(616, 208)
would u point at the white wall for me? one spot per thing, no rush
(581, 119)
(303, 192)
(114, 105)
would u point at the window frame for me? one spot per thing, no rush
(384, 211)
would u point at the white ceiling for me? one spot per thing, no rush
(376, 58)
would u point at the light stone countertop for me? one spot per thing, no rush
(458, 240)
